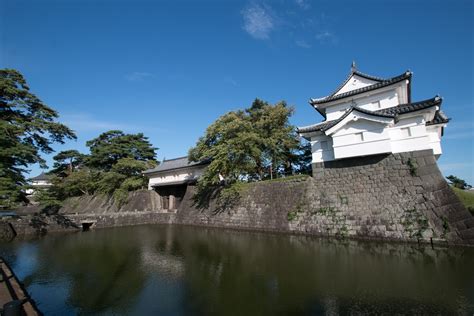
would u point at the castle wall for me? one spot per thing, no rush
(401, 197)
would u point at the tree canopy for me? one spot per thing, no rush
(107, 149)
(66, 162)
(28, 128)
(249, 144)
(113, 167)
(458, 183)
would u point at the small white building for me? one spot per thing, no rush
(171, 178)
(368, 115)
(39, 182)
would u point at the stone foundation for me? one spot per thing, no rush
(401, 197)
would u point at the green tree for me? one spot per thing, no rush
(246, 145)
(458, 183)
(107, 149)
(28, 128)
(125, 176)
(66, 162)
(278, 139)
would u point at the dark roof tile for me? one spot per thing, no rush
(388, 112)
(176, 163)
(380, 84)
(42, 177)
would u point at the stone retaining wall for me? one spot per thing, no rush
(401, 197)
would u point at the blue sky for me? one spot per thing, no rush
(170, 68)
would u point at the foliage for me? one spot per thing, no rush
(49, 200)
(415, 223)
(78, 183)
(245, 144)
(291, 216)
(107, 149)
(413, 166)
(458, 183)
(29, 128)
(249, 145)
(126, 175)
(466, 197)
(78, 174)
(66, 162)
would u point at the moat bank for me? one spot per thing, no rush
(400, 197)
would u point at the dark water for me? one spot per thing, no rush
(173, 270)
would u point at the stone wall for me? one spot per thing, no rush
(401, 197)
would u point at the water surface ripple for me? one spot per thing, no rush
(178, 270)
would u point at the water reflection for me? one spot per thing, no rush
(176, 270)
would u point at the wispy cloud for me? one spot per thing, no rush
(258, 21)
(138, 76)
(454, 166)
(326, 37)
(302, 43)
(303, 4)
(231, 81)
(87, 123)
(459, 135)
(459, 130)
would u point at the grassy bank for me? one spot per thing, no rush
(467, 197)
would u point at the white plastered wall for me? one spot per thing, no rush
(174, 176)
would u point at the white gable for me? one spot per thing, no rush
(368, 121)
(355, 82)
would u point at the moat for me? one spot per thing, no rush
(181, 270)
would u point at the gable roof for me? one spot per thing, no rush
(42, 177)
(439, 118)
(391, 112)
(175, 163)
(380, 84)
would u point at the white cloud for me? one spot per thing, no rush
(302, 44)
(258, 21)
(231, 81)
(303, 4)
(86, 123)
(326, 37)
(138, 76)
(454, 166)
(459, 130)
(460, 135)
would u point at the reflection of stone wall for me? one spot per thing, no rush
(400, 197)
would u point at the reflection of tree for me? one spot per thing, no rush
(101, 267)
(247, 273)
(237, 273)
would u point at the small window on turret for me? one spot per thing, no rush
(405, 132)
(359, 137)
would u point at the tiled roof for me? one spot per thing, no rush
(380, 84)
(410, 107)
(176, 163)
(388, 112)
(439, 118)
(42, 177)
(358, 73)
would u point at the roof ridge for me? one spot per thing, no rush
(175, 158)
(435, 99)
(380, 84)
